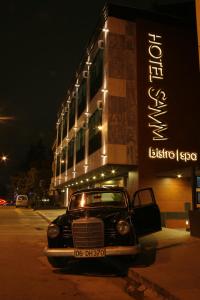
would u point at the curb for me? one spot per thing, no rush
(142, 288)
(43, 216)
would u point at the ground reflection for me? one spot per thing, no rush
(94, 267)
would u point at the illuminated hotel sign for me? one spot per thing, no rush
(157, 107)
(173, 155)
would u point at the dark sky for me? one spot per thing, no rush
(42, 42)
(41, 46)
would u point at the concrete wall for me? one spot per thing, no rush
(122, 98)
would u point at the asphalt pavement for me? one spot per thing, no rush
(167, 268)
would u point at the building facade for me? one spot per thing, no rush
(197, 3)
(130, 117)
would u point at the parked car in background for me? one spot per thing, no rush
(102, 222)
(21, 201)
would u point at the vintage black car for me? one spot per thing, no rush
(102, 222)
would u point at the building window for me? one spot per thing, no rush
(72, 113)
(80, 145)
(70, 154)
(82, 97)
(63, 160)
(64, 125)
(96, 73)
(94, 132)
(59, 134)
(58, 166)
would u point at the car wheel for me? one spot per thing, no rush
(58, 262)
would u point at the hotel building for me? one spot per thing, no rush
(131, 114)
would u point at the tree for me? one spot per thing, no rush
(35, 176)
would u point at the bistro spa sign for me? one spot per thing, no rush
(157, 107)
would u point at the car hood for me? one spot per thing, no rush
(106, 214)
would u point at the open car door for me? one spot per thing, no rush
(146, 213)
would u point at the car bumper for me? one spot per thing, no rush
(109, 251)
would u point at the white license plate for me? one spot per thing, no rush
(96, 252)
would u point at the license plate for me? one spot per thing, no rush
(97, 252)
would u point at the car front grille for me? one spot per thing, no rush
(88, 233)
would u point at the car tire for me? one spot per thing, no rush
(58, 262)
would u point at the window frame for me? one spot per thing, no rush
(96, 73)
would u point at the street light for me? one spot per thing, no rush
(4, 158)
(3, 119)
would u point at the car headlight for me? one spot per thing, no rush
(53, 231)
(123, 227)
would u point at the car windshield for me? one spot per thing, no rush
(93, 199)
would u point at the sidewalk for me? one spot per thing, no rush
(50, 214)
(168, 267)
(175, 272)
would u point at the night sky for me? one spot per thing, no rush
(41, 46)
(42, 42)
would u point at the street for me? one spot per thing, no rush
(26, 274)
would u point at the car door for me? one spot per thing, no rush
(146, 213)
